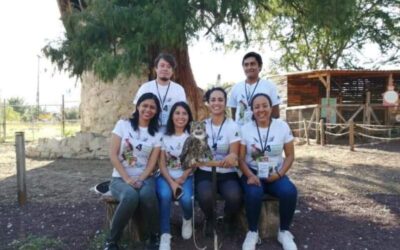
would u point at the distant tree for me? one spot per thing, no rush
(17, 104)
(314, 34)
(12, 115)
(71, 113)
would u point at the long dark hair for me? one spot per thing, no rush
(170, 122)
(254, 97)
(153, 125)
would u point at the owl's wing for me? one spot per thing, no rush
(185, 148)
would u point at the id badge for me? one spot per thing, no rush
(265, 168)
(164, 118)
(247, 115)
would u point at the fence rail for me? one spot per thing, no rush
(43, 121)
(353, 131)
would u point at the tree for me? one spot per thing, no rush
(112, 37)
(17, 104)
(313, 34)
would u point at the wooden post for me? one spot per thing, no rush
(367, 108)
(300, 121)
(214, 194)
(322, 131)
(4, 120)
(317, 118)
(306, 131)
(62, 117)
(20, 153)
(351, 135)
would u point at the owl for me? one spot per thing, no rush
(195, 149)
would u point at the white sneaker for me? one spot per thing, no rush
(186, 228)
(165, 242)
(251, 240)
(286, 239)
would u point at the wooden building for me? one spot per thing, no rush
(343, 95)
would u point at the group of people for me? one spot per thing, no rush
(248, 148)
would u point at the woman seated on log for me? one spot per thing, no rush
(224, 140)
(264, 170)
(135, 148)
(174, 182)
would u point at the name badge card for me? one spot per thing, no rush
(265, 168)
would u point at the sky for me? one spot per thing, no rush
(27, 26)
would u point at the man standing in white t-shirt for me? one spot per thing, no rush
(242, 92)
(167, 91)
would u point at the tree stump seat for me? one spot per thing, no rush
(268, 224)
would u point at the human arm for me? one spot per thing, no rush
(115, 161)
(151, 165)
(165, 173)
(231, 159)
(287, 162)
(252, 179)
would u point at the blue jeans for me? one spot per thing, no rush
(165, 196)
(130, 199)
(283, 189)
(228, 186)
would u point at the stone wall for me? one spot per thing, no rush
(102, 104)
(83, 145)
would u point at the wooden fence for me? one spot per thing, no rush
(306, 123)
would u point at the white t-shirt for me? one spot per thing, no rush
(242, 93)
(136, 147)
(229, 133)
(278, 136)
(167, 97)
(172, 146)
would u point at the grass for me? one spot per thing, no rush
(38, 243)
(34, 131)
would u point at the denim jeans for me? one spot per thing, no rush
(228, 186)
(130, 199)
(283, 189)
(165, 196)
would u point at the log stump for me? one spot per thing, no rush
(135, 230)
(268, 225)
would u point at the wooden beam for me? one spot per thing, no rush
(322, 79)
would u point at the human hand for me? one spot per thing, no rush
(138, 183)
(180, 180)
(273, 177)
(229, 161)
(253, 180)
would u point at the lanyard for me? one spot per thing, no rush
(215, 140)
(165, 96)
(263, 145)
(248, 98)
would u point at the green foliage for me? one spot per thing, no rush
(18, 104)
(71, 113)
(11, 114)
(314, 34)
(38, 243)
(110, 37)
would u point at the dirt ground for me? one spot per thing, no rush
(347, 200)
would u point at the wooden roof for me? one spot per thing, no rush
(343, 72)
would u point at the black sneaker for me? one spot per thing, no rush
(111, 245)
(208, 228)
(153, 242)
